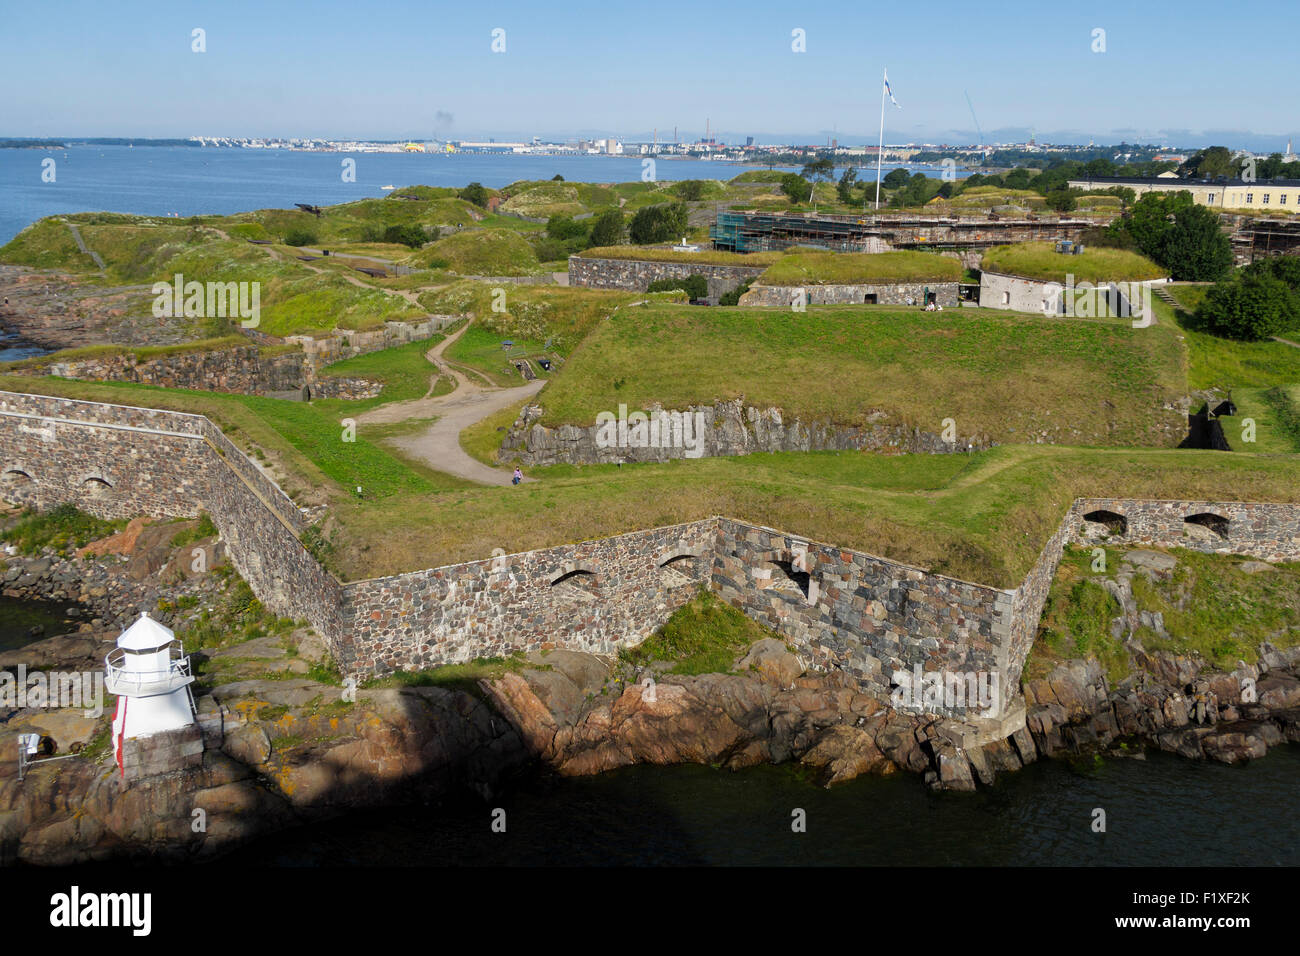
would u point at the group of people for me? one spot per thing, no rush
(930, 306)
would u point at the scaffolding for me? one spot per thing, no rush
(759, 232)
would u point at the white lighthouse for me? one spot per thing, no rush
(150, 674)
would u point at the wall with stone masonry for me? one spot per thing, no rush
(513, 603)
(117, 462)
(861, 614)
(1266, 530)
(636, 274)
(865, 615)
(243, 370)
(781, 297)
(730, 428)
(323, 350)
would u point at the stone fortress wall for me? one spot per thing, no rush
(251, 369)
(897, 293)
(728, 428)
(841, 608)
(635, 275)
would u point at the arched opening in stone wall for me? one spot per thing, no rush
(17, 477)
(95, 487)
(1206, 526)
(1103, 522)
(679, 570)
(579, 583)
(786, 577)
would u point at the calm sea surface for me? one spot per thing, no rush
(1163, 811)
(160, 180)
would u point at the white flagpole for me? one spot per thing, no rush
(880, 150)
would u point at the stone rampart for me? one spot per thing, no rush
(635, 275)
(720, 430)
(845, 610)
(897, 293)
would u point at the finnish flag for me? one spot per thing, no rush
(890, 91)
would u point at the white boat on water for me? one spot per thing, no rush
(390, 186)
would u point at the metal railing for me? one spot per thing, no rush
(176, 675)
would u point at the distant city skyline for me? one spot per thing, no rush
(583, 69)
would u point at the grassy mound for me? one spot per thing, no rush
(846, 268)
(482, 252)
(1010, 377)
(1040, 260)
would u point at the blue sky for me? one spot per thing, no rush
(1189, 73)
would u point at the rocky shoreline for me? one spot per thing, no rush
(285, 744)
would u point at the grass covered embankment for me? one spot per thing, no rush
(1008, 376)
(1040, 260)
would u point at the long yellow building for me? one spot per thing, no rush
(1274, 195)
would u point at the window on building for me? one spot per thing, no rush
(1281, 200)
(1250, 197)
(1211, 199)
(1265, 200)
(1006, 298)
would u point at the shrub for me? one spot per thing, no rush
(733, 297)
(796, 188)
(1252, 305)
(608, 229)
(659, 223)
(408, 235)
(696, 287)
(474, 193)
(300, 237)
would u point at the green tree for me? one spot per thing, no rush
(563, 227)
(557, 178)
(895, 179)
(608, 229)
(823, 167)
(474, 193)
(1249, 306)
(1061, 200)
(844, 188)
(1018, 178)
(408, 235)
(1209, 163)
(796, 188)
(1194, 248)
(658, 223)
(690, 190)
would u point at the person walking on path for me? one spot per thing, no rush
(518, 477)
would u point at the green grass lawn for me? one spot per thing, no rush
(481, 349)
(404, 370)
(1010, 377)
(481, 252)
(1276, 414)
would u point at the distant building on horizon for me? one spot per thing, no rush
(1260, 194)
